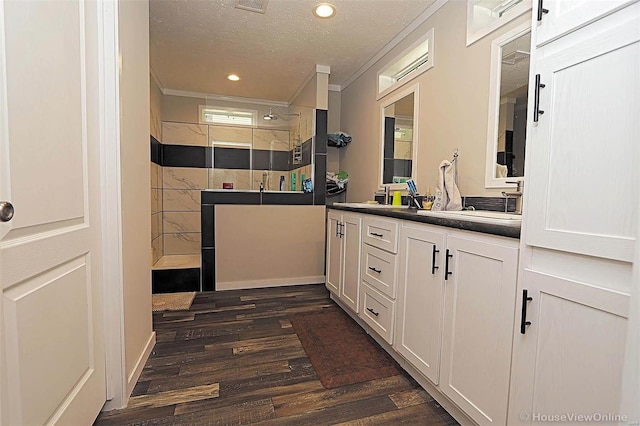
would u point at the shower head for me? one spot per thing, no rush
(269, 116)
(272, 116)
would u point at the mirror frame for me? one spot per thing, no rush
(510, 15)
(490, 181)
(396, 96)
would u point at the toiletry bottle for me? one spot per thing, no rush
(293, 181)
(397, 198)
(281, 183)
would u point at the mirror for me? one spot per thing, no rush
(399, 136)
(506, 136)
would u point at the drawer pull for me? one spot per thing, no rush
(433, 260)
(446, 265)
(377, 235)
(377, 271)
(373, 312)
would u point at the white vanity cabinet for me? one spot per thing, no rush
(456, 302)
(443, 298)
(578, 256)
(343, 256)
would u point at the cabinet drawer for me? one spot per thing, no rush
(381, 233)
(379, 270)
(378, 311)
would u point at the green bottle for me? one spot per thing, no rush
(293, 181)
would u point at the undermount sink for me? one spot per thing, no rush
(370, 206)
(499, 218)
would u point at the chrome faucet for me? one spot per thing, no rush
(386, 195)
(517, 194)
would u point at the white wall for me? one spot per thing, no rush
(133, 31)
(454, 98)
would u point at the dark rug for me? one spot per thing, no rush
(340, 351)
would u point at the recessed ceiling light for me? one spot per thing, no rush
(324, 10)
(233, 77)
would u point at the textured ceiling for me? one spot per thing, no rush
(195, 44)
(514, 78)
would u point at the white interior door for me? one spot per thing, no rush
(52, 349)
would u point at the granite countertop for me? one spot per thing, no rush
(458, 223)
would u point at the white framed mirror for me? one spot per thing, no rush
(508, 100)
(399, 137)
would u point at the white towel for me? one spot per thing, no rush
(447, 192)
(501, 171)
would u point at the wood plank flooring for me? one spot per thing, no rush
(234, 359)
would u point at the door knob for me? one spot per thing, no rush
(6, 211)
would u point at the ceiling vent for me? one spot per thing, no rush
(259, 6)
(514, 57)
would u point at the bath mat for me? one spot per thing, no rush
(339, 349)
(172, 301)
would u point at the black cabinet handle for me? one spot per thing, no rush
(541, 10)
(377, 235)
(337, 228)
(446, 265)
(536, 99)
(341, 229)
(377, 271)
(373, 312)
(523, 319)
(433, 260)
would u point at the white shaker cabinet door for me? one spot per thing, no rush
(421, 298)
(480, 295)
(350, 288)
(583, 152)
(334, 252)
(556, 18)
(569, 354)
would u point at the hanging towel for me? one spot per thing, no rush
(447, 193)
(339, 139)
(501, 171)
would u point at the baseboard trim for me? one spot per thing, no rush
(440, 398)
(140, 363)
(275, 282)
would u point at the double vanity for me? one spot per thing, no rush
(438, 291)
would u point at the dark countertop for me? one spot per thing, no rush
(412, 215)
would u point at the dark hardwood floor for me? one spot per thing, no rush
(234, 359)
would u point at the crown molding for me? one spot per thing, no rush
(324, 69)
(212, 96)
(420, 19)
(155, 78)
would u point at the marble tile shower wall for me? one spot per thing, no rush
(156, 213)
(181, 188)
(243, 157)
